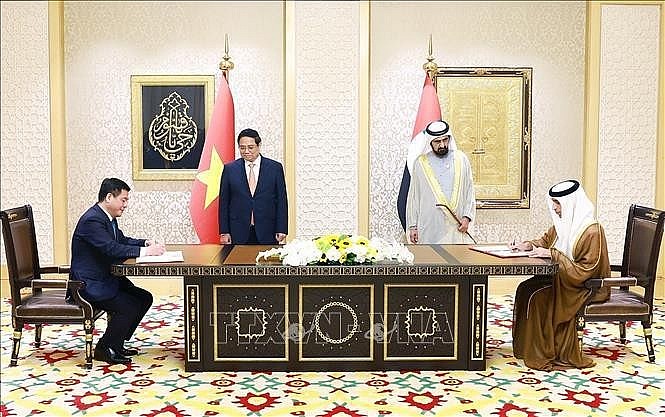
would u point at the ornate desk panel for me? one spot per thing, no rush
(242, 316)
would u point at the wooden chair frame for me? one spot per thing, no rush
(36, 300)
(644, 233)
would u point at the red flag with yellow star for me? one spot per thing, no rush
(218, 149)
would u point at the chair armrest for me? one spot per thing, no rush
(75, 286)
(594, 283)
(49, 283)
(54, 269)
(74, 296)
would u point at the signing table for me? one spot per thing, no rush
(431, 314)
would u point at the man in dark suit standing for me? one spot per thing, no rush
(253, 206)
(96, 244)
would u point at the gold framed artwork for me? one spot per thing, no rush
(170, 115)
(489, 112)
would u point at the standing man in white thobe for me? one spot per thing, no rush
(441, 184)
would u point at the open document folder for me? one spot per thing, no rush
(175, 256)
(502, 251)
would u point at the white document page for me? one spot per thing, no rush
(175, 256)
(502, 251)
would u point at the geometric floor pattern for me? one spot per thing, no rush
(50, 381)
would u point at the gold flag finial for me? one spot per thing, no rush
(430, 65)
(226, 64)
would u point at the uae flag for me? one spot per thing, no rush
(428, 111)
(218, 149)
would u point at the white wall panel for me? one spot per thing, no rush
(25, 164)
(628, 116)
(326, 117)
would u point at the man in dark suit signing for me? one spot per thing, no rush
(96, 244)
(253, 206)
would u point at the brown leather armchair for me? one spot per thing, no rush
(644, 233)
(36, 300)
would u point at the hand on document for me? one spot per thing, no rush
(520, 246)
(533, 251)
(154, 247)
(540, 253)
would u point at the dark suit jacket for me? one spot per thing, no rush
(94, 249)
(269, 202)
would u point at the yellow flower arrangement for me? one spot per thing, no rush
(338, 249)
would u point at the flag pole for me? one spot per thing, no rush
(430, 66)
(226, 64)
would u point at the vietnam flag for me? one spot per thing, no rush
(218, 149)
(429, 110)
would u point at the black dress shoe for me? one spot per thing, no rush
(128, 351)
(107, 354)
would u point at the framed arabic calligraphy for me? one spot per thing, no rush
(170, 115)
(489, 110)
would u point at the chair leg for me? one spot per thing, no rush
(646, 326)
(580, 323)
(18, 329)
(38, 335)
(622, 332)
(89, 327)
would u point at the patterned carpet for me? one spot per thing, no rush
(51, 382)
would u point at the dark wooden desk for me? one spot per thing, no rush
(428, 315)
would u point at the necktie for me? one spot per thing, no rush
(251, 179)
(252, 187)
(115, 229)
